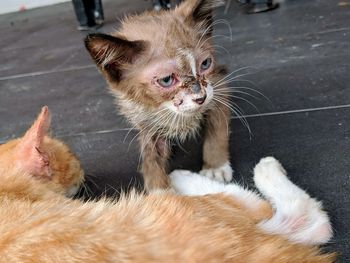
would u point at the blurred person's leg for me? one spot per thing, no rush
(81, 12)
(98, 14)
(161, 4)
(258, 6)
(89, 13)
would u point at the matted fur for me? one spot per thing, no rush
(38, 224)
(151, 46)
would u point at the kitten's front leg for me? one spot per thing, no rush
(216, 162)
(155, 153)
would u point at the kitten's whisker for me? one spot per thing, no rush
(236, 111)
(151, 117)
(222, 82)
(254, 90)
(93, 182)
(218, 46)
(127, 134)
(223, 115)
(114, 189)
(245, 80)
(211, 37)
(241, 98)
(162, 123)
(229, 93)
(88, 190)
(210, 27)
(225, 22)
(151, 132)
(233, 72)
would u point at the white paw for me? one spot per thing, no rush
(188, 183)
(270, 177)
(221, 174)
(180, 181)
(179, 173)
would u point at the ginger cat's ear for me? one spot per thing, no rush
(112, 54)
(199, 12)
(31, 155)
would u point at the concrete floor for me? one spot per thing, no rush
(298, 57)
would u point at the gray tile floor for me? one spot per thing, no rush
(298, 56)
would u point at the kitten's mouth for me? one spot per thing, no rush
(186, 104)
(200, 100)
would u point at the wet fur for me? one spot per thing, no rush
(39, 224)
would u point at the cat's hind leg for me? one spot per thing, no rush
(185, 182)
(297, 217)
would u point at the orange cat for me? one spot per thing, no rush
(229, 224)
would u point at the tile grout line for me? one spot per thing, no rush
(92, 132)
(45, 72)
(245, 116)
(292, 111)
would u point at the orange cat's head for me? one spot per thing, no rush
(162, 60)
(46, 160)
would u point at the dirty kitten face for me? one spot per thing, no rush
(182, 81)
(161, 60)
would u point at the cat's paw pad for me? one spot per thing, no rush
(269, 175)
(221, 174)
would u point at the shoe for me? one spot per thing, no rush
(157, 7)
(98, 18)
(89, 28)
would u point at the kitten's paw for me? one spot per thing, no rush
(221, 174)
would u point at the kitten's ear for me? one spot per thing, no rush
(113, 54)
(199, 12)
(31, 155)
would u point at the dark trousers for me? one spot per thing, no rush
(87, 11)
(162, 3)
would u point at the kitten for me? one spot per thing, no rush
(161, 68)
(228, 224)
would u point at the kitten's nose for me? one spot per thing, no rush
(196, 87)
(200, 100)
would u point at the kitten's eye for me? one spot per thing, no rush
(206, 64)
(167, 81)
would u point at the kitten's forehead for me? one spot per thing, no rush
(186, 61)
(166, 32)
(169, 37)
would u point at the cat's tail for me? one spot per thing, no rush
(297, 217)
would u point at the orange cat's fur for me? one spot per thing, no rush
(39, 224)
